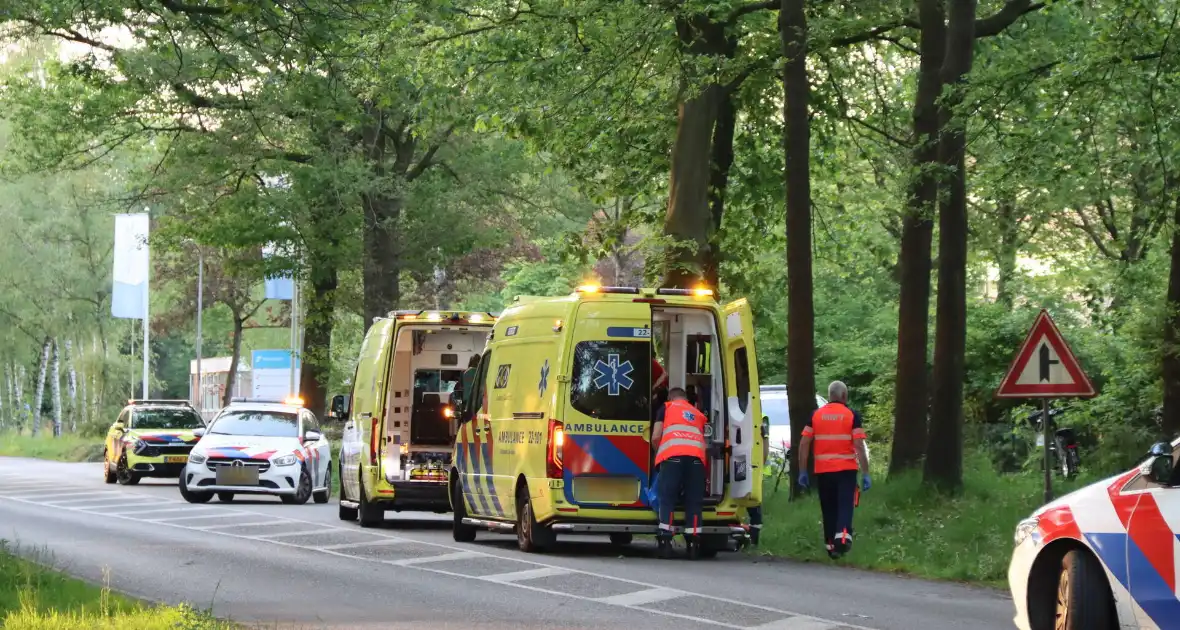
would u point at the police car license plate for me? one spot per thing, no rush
(175, 459)
(237, 476)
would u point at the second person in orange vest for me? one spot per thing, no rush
(839, 450)
(678, 437)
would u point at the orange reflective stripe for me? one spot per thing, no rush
(830, 457)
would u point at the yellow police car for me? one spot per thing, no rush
(554, 437)
(399, 420)
(150, 438)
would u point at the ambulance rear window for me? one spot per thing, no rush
(612, 379)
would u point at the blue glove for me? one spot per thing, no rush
(865, 483)
(804, 480)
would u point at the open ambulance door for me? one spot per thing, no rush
(741, 402)
(370, 394)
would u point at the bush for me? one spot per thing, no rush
(65, 448)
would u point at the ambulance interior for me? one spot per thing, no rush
(684, 341)
(428, 364)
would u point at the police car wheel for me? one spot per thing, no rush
(123, 474)
(460, 531)
(1083, 596)
(225, 497)
(192, 497)
(322, 496)
(621, 538)
(370, 515)
(107, 473)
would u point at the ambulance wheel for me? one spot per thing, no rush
(225, 497)
(1083, 596)
(370, 515)
(460, 531)
(711, 544)
(531, 537)
(108, 474)
(346, 513)
(123, 474)
(621, 539)
(192, 497)
(322, 496)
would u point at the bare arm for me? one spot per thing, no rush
(862, 455)
(804, 452)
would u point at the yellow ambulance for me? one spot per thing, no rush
(554, 437)
(400, 424)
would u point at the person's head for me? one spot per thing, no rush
(473, 362)
(838, 392)
(677, 393)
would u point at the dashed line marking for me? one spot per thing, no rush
(367, 543)
(325, 530)
(790, 620)
(641, 598)
(189, 518)
(458, 555)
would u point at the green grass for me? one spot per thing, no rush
(67, 448)
(35, 597)
(905, 528)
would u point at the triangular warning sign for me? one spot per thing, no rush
(1045, 367)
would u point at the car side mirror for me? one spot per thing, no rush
(313, 436)
(118, 426)
(340, 407)
(198, 433)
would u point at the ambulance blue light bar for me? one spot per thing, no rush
(698, 292)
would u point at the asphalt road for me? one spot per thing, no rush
(301, 567)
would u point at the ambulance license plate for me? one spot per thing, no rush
(175, 459)
(237, 476)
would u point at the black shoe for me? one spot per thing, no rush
(694, 549)
(665, 548)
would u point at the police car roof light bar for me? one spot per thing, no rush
(159, 401)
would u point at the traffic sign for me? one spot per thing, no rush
(1045, 367)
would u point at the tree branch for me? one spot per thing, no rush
(754, 7)
(193, 9)
(428, 159)
(996, 23)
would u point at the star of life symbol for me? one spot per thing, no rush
(612, 375)
(544, 384)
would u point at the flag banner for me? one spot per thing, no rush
(277, 287)
(132, 257)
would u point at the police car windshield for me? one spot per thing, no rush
(258, 423)
(775, 408)
(612, 379)
(162, 419)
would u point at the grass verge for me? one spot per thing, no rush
(903, 527)
(36, 597)
(66, 448)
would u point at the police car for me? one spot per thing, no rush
(1104, 556)
(775, 408)
(260, 448)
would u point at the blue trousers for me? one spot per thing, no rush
(682, 482)
(837, 495)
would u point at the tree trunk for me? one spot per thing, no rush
(84, 397)
(317, 353)
(6, 406)
(231, 376)
(719, 167)
(382, 257)
(911, 396)
(19, 390)
(1009, 248)
(1171, 354)
(39, 398)
(944, 455)
(797, 148)
(56, 389)
(73, 385)
(688, 221)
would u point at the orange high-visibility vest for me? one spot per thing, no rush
(832, 431)
(684, 432)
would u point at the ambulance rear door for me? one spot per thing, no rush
(742, 406)
(606, 456)
(360, 441)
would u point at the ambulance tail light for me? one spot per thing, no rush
(554, 449)
(373, 437)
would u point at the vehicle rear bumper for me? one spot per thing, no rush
(429, 495)
(569, 527)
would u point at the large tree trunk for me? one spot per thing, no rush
(40, 397)
(231, 376)
(688, 221)
(1171, 354)
(317, 353)
(944, 455)
(56, 389)
(720, 164)
(73, 385)
(9, 411)
(1009, 247)
(382, 258)
(797, 148)
(911, 396)
(19, 390)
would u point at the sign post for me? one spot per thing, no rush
(1045, 368)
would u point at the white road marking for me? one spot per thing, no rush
(388, 541)
(325, 530)
(642, 598)
(77, 500)
(189, 518)
(97, 507)
(131, 515)
(52, 497)
(527, 574)
(543, 570)
(798, 623)
(458, 555)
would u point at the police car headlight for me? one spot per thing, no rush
(283, 460)
(1025, 529)
(196, 458)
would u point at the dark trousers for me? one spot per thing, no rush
(755, 523)
(837, 494)
(682, 481)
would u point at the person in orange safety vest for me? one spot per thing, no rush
(839, 450)
(678, 437)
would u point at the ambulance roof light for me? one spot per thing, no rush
(697, 292)
(594, 288)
